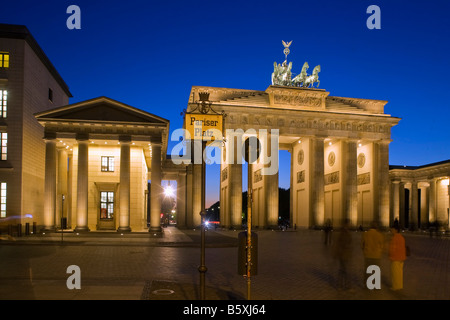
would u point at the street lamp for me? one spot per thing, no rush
(168, 191)
(203, 110)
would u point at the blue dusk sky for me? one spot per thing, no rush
(149, 54)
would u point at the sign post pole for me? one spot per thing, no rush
(205, 127)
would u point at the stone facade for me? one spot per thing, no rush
(28, 79)
(420, 195)
(103, 148)
(339, 155)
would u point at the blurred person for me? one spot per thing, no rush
(342, 251)
(397, 255)
(372, 246)
(328, 228)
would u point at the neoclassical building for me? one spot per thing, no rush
(339, 155)
(420, 195)
(99, 156)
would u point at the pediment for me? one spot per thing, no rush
(101, 109)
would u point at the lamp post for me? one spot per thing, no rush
(198, 132)
(252, 151)
(62, 218)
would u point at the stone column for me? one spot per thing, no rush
(351, 195)
(50, 184)
(62, 184)
(82, 184)
(69, 190)
(414, 205)
(432, 201)
(235, 184)
(189, 188)
(155, 189)
(396, 200)
(124, 186)
(197, 183)
(291, 188)
(181, 200)
(271, 187)
(448, 209)
(401, 193)
(317, 181)
(424, 196)
(383, 183)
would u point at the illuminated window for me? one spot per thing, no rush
(3, 200)
(106, 205)
(4, 60)
(108, 164)
(4, 146)
(3, 103)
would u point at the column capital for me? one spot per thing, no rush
(82, 137)
(156, 144)
(125, 139)
(49, 136)
(383, 141)
(182, 173)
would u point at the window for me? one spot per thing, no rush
(4, 146)
(50, 95)
(4, 60)
(108, 164)
(3, 103)
(3, 200)
(106, 205)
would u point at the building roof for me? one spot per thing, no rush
(13, 31)
(392, 167)
(101, 109)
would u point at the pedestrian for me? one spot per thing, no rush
(342, 251)
(397, 255)
(372, 246)
(328, 227)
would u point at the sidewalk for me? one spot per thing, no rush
(292, 265)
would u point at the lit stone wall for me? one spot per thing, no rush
(110, 181)
(28, 85)
(301, 184)
(365, 182)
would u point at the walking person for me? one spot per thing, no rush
(328, 228)
(343, 253)
(397, 255)
(372, 246)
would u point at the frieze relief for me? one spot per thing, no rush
(257, 176)
(363, 178)
(308, 101)
(331, 178)
(224, 174)
(280, 121)
(301, 176)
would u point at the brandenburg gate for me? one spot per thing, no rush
(339, 150)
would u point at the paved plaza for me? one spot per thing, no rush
(292, 265)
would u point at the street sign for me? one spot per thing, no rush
(206, 127)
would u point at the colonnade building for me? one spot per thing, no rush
(91, 162)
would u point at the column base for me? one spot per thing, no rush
(155, 229)
(124, 229)
(81, 229)
(48, 229)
